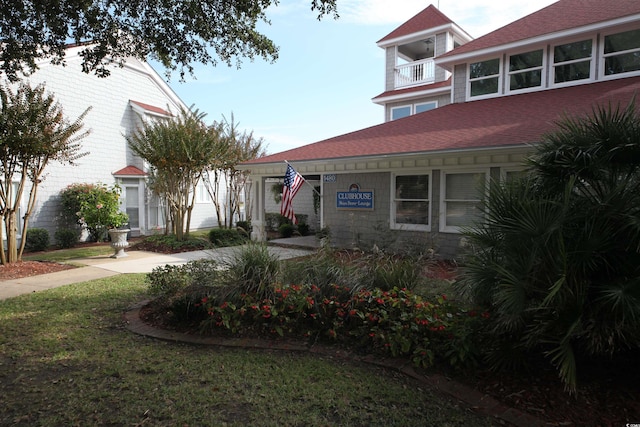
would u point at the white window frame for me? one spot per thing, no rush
(412, 108)
(415, 106)
(398, 107)
(602, 56)
(158, 210)
(542, 68)
(443, 200)
(202, 195)
(410, 227)
(592, 63)
(500, 77)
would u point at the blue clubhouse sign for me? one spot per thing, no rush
(354, 199)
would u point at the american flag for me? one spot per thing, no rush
(292, 183)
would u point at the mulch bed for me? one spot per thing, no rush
(18, 270)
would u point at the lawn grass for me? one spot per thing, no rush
(67, 359)
(63, 255)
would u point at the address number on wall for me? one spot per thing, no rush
(329, 178)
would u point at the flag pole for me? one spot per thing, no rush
(305, 181)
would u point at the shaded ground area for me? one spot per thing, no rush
(606, 397)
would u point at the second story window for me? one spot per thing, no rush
(572, 61)
(400, 112)
(484, 77)
(525, 70)
(420, 108)
(622, 52)
(408, 110)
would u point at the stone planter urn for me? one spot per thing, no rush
(119, 241)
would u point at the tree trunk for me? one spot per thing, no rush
(3, 255)
(25, 222)
(11, 235)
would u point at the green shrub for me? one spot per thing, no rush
(389, 271)
(37, 240)
(273, 221)
(323, 270)
(557, 257)
(245, 226)
(180, 289)
(246, 297)
(286, 230)
(94, 206)
(303, 228)
(169, 243)
(225, 237)
(397, 323)
(66, 238)
(324, 233)
(251, 270)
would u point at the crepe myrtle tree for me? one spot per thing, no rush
(223, 181)
(179, 150)
(176, 33)
(33, 132)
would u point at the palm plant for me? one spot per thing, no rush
(558, 260)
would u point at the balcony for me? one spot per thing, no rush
(415, 73)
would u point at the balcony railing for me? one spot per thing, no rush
(418, 72)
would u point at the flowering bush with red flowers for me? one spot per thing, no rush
(397, 322)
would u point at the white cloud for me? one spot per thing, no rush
(378, 12)
(477, 17)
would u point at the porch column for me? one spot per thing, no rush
(258, 232)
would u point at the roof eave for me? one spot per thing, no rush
(420, 34)
(400, 97)
(249, 166)
(447, 60)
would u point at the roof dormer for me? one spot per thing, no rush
(413, 46)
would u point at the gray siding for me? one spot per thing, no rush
(460, 83)
(364, 229)
(390, 68)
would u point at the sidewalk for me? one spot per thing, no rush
(136, 262)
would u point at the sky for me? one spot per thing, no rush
(327, 72)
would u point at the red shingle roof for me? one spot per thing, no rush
(421, 88)
(151, 108)
(430, 17)
(560, 16)
(497, 122)
(130, 171)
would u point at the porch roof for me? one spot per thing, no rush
(443, 86)
(505, 121)
(149, 109)
(131, 171)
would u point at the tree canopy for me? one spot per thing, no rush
(177, 33)
(222, 180)
(179, 150)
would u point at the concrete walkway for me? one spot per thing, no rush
(136, 262)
